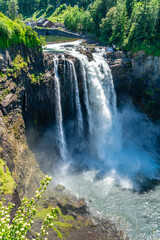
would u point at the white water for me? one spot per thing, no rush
(86, 96)
(59, 119)
(77, 99)
(118, 154)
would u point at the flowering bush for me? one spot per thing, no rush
(23, 219)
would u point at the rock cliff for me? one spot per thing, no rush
(17, 67)
(27, 109)
(137, 76)
(27, 100)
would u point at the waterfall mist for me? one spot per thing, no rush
(96, 150)
(90, 134)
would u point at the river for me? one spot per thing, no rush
(108, 155)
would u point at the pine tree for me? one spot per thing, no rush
(13, 9)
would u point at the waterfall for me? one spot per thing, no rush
(77, 98)
(101, 107)
(106, 150)
(59, 118)
(83, 61)
(99, 100)
(95, 128)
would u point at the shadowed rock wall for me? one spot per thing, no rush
(137, 76)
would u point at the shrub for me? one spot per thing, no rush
(16, 32)
(23, 219)
(7, 183)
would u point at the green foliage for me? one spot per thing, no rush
(35, 78)
(119, 26)
(106, 30)
(7, 183)
(143, 33)
(129, 24)
(31, 38)
(99, 10)
(51, 13)
(63, 224)
(15, 32)
(77, 19)
(3, 93)
(13, 9)
(18, 64)
(23, 220)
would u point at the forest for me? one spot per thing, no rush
(16, 32)
(83, 108)
(128, 24)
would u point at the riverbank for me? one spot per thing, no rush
(57, 32)
(75, 220)
(28, 121)
(27, 90)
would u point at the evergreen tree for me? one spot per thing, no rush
(13, 9)
(107, 25)
(120, 23)
(3, 6)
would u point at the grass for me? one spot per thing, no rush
(52, 14)
(63, 224)
(7, 184)
(59, 39)
(35, 78)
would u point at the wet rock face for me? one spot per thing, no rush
(120, 65)
(27, 105)
(39, 103)
(28, 109)
(66, 83)
(88, 53)
(5, 60)
(147, 67)
(68, 203)
(137, 76)
(74, 219)
(34, 56)
(14, 149)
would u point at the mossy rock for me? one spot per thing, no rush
(7, 184)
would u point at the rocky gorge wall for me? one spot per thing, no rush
(137, 78)
(27, 100)
(27, 109)
(17, 68)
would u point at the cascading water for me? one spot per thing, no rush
(59, 119)
(109, 148)
(77, 99)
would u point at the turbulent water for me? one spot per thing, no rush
(59, 120)
(107, 153)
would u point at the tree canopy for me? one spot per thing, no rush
(16, 32)
(129, 24)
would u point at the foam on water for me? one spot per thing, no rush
(118, 154)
